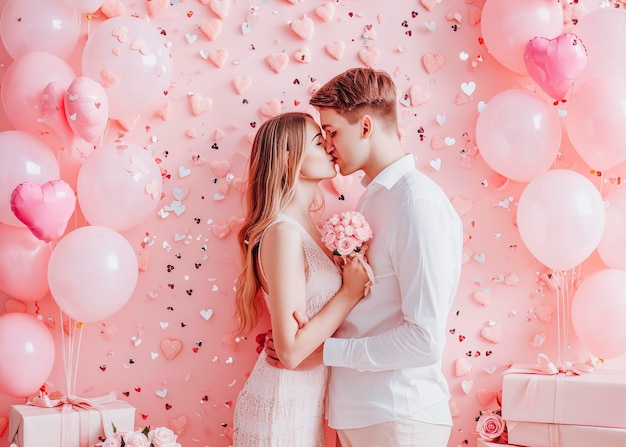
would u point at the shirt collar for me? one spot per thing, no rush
(392, 173)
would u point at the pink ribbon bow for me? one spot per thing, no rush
(71, 401)
(545, 366)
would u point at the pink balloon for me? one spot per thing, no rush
(44, 209)
(595, 122)
(23, 158)
(92, 273)
(612, 246)
(52, 26)
(518, 134)
(129, 57)
(26, 354)
(119, 185)
(86, 108)
(32, 90)
(604, 33)
(507, 26)
(54, 115)
(561, 217)
(555, 63)
(598, 312)
(23, 264)
(87, 6)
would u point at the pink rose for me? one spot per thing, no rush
(358, 220)
(490, 426)
(136, 439)
(329, 239)
(363, 234)
(163, 437)
(115, 441)
(346, 246)
(349, 230)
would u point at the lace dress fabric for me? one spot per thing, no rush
(280, 407)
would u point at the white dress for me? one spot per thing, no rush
(285, 408)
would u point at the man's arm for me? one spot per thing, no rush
(426, 249)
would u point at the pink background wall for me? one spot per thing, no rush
(185, 293)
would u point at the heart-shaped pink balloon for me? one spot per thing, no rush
(555, 63)
(45, 209)
(86, 108)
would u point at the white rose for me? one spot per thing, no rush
(163, 437)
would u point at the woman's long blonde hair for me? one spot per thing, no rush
(273, 169)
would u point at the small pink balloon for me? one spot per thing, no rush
(92, 273)
(119, 185)
(52, 26)
(561, 217)
(44, 209)
(603, 31)
(86, 108)
(554, 64)
(131, 59)
(87, 6)
(598, 312)
(26, 354)
(518, 134)
(612, 246)
(23, 264)
(595, 120)
(53, 113)
(24, 86)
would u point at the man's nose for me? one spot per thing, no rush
(329, 146)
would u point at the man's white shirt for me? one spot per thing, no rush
(386, 356)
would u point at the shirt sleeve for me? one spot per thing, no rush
(425, 248)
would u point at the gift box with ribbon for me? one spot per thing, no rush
(596, 398)
(69, 421)
(545, 406)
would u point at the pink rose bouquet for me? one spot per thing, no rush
(158, 437)
(345, 234)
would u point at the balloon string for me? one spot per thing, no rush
(601, 182)
(80, 339)
(64, 352)
(71, 352)
(562, 297)
(559, 316)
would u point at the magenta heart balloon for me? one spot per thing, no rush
(555, 63)
(45, 209)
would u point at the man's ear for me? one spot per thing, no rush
(367, 126)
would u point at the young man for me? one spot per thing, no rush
(386, 385)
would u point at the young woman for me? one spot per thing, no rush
(288, 269)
